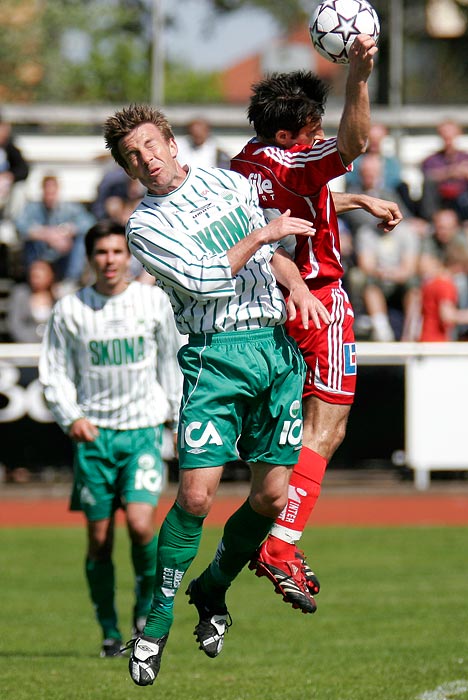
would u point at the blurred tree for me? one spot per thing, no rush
(99, 51)
(94, 51)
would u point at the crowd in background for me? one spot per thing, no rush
(410, 284)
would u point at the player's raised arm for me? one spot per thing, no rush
(355, 120)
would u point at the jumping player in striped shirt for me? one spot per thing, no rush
(202, 234)
(291, 163)
(109, 370)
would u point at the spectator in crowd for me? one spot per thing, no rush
(371, 183)
(446, 227)
(390, 164)
(387, 267)
(13, 169)
(30, 303)
(390, 174)
(445, 175)
(113, 184)
(119, 207)
(198, 148)
(439, 308)
(53, 230)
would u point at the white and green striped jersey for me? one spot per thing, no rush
(182, 238)
(112, 359)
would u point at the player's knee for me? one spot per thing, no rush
(141, 531)
(269, 504)
(195, 501)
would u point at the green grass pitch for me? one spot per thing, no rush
(392, 623)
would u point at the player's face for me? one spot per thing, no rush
(305, 137)
(151, 159)
(110, 261)
(309, 133)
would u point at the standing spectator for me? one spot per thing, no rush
(445, 175)
(13, 170)
(198, 148)
(30, 303)
(110, 376)
(53, 230)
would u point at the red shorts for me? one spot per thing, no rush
(329, 352)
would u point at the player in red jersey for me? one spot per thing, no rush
(291, 164)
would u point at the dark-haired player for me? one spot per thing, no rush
(291, 163)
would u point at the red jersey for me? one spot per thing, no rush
(434, 292)
(297, 178)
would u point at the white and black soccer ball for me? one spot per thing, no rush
(334, 24)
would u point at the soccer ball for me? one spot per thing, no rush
(334, 25)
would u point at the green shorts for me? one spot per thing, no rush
(242, 398)
(119, 467)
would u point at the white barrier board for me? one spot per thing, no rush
(437, 414)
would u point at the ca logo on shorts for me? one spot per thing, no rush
(196, 435)
(291, 431)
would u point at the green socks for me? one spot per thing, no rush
(101, 584)
(243, 533)
(179, 539)
(144, 565)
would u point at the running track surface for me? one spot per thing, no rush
(409, 508)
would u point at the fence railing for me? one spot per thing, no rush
(435, 400)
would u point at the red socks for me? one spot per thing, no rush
(304, 490)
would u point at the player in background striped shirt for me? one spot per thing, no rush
(109, 370)
(202, 234)
(291, 163)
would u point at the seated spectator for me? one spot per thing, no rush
(445, 175)
(371, 183)
(387, 263)
(445, 228)
(53, 230)
(439, 307)
(390, 176)
(199, 148)
(119, 207)
(114, 183)
(390, 165)
(13, 170)
(30, 304)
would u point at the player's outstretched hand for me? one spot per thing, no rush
(361, 56)
(310, 308)
(388, 212)
(287, 225)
